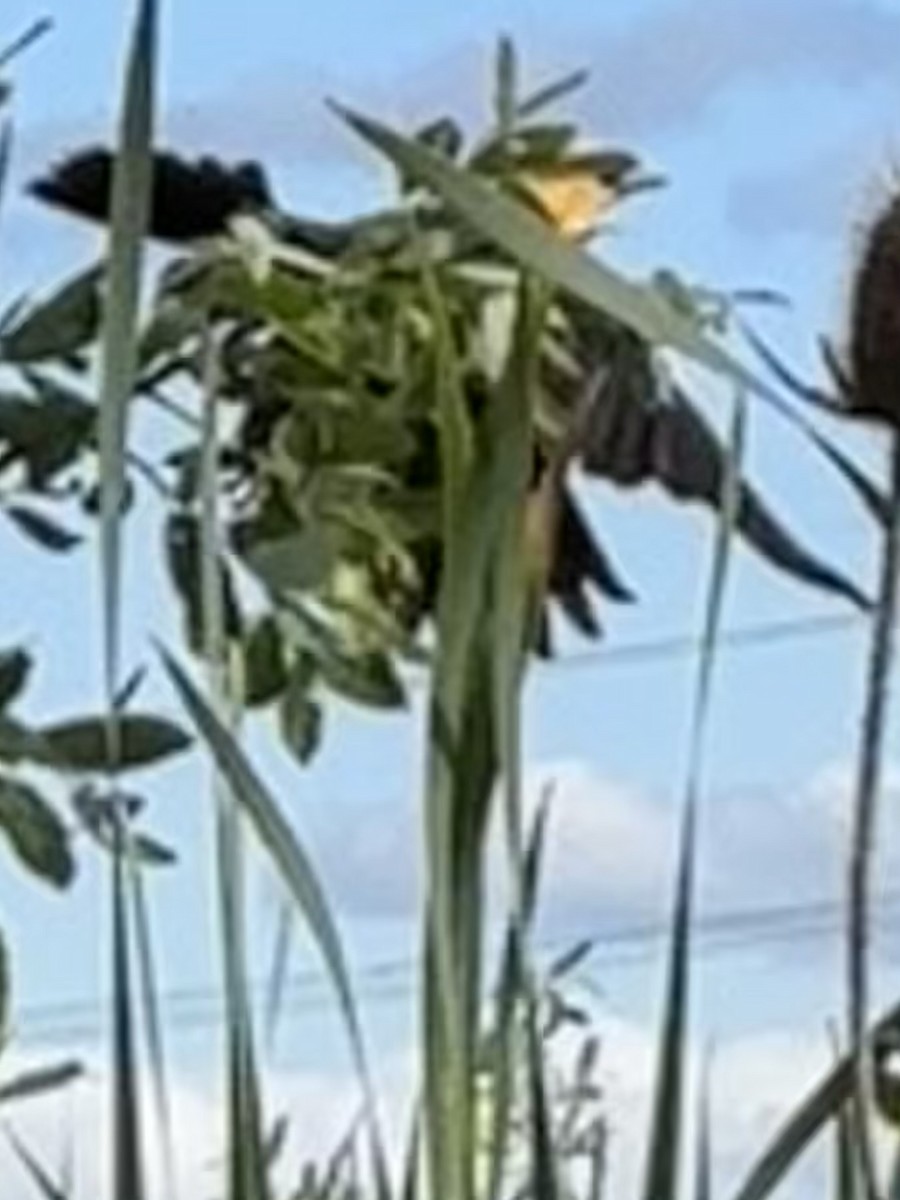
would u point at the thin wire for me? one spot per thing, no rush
(739, 637)
(391, 979)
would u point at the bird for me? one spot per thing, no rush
(191, 199)
(199, 198)
(629, 437)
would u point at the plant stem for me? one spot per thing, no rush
(871, 755)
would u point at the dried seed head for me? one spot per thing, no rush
(873, 360)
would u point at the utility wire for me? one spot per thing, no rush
(740, 637)
(392, 979)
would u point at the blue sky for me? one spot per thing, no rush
(776, 124)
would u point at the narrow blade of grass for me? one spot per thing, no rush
(40, 1081)
(130, 209)
(128, 1170)
(822, 1104)
(460, 771)
(153, 1026)
(513, 992)
(25, 41)
(38, 1173)
(247, 1176)
(6, 141)
(703, 1165)
(665, 1143)
(293, 867)
(128, 223)
(869, 767)
(545, 1181)
(277, 977)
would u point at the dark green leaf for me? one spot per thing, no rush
(551, 92)
(507, 85)
(35, 832)
(25, 41)
(442, 135)
(45, 435)
(81, 744)
(15, 667)
(265, 670)
(17, 742)
(182, 547)
(298, 562)
(366, 678)
(538, 145)
(301, 720)
(40, 1081)
(58, 327)
(97, 814)
(129, 688)
(43, 530)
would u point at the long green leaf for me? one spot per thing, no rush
(703, 1189)
(822, 1104)
(459, 776)
(246, 1177)
(293, 866)
(118, 363)
(869, 766)
(40, 1081)
(130, 207)
(523, 234)
(153, 1024)
(25, 41)
(128, 1169)
(665, 1143)
(38, 1173)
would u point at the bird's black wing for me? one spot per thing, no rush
(190, 200)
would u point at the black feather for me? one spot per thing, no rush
(190, 200)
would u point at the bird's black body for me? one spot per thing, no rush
(190, 200)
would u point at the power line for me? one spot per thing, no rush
(740, 637)
(392, 979)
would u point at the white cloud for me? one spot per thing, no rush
(757, 1078)
(321, 1106)
(608, 856)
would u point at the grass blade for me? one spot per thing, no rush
(862, 838)
(129, 214)
(40, 1081)
(521, 233)
(6, 141)
(663, 1159)
(153, 1026)
(823, 1103)
(292, 865)
(128, 1172)
(41, 1178)
(545, 1167)
(703, 1166)
(247, 1177)
(128, 223)
(25, 41)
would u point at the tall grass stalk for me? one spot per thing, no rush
(129, 218)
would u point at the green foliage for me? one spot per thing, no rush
(35, 832)
(59, 327)
(376, 425)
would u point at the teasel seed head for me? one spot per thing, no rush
(873, 352)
